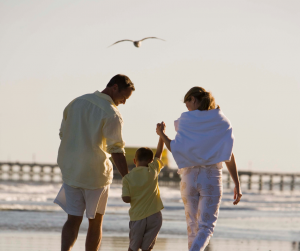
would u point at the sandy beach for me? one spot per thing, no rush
(30, 221)
(34, 241)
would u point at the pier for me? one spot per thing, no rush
(39, 172)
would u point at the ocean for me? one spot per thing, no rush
(266, 218)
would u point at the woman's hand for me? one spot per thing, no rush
(237, 194)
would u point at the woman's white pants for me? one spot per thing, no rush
(201, 192)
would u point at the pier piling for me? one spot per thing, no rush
(51, 173)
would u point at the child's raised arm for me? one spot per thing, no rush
(160, 130)
(160, 145)
(160, 148)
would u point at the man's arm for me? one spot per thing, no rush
(120, 162)
(62, 126)
(112, 131)
(63, 122)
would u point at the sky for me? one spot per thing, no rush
(246, 52)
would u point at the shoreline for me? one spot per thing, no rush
(50, 241)
(272, 223)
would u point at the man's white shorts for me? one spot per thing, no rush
(75, 200)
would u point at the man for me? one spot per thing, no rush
(91, 131)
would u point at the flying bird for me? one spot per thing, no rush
(137, 43)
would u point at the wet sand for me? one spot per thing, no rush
(43, 241)
(29, 220)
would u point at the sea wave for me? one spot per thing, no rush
(259, 215)
(40, 196)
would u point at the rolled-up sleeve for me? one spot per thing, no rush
(156, 164)
(112, 132)
(61, 130)
(63, 122)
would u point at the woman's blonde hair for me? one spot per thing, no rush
(207, 101)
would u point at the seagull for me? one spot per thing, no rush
(137, 43)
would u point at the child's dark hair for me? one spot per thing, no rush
(144, 154)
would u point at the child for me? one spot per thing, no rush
(140, 189)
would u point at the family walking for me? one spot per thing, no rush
(91, 133)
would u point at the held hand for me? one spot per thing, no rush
(160, 128)
(163, 126)
(237, 195)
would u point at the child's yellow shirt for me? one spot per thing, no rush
(141, 184)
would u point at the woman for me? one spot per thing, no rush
(204, 140)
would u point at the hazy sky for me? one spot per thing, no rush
(246, 52)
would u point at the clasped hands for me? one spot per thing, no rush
(160, 128)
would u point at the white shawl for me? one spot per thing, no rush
(203, 138)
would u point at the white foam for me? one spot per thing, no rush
(40, 196)
(258, 216)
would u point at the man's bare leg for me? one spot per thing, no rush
(70, 232)
(94, 235)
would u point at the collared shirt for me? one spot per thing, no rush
(90, 131)
(141, 184)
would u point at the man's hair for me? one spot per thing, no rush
(122, 81)
(144, 154)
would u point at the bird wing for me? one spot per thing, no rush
(121, 41)
(151, 37)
